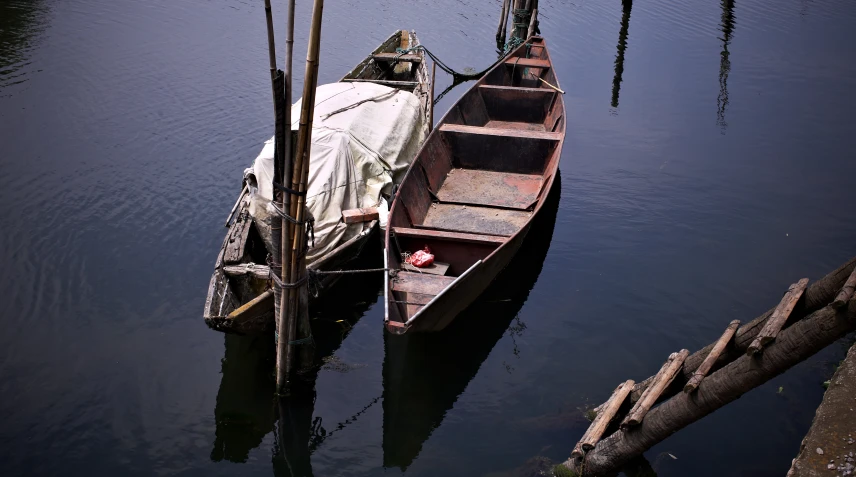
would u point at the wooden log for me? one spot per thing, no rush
(793, 345)
(777, 320)
(846, 292)
(254, 269)
(253, 308)
(708, 362)
(601, 422)
(355, 216)
(662, 379)
(817, 295)
(533, 21)
(503, 17)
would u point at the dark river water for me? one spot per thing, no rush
(709, 163)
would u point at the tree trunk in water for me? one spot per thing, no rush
(818, 295)
(793, 345)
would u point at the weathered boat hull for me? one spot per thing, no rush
(478, 182)
(239, 298)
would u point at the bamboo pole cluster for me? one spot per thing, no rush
(292, 314)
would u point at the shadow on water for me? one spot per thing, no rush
(20, 23)
(727, 26)
(247, 408)
(424, 373)
(626, 6)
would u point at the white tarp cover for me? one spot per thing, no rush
(364, 136)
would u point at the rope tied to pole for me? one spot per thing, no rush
(521, 18)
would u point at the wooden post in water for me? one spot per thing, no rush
(520, 18)
(298, 296)
(286, 335)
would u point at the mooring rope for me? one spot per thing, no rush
(511, 45)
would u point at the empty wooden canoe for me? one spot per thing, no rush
(473, 190)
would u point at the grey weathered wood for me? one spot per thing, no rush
(708, 362)
(793, 345)
(663, 378)
(846, 292)
(237, 241)
(254, 269)
(601, 422)
(780, 315)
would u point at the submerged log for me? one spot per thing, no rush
(846, 292)
(793, 345)
(717, 350)
(601, 422)
(661, 381)
(817, 295)
(777, 320)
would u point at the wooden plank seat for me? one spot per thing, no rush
(447, 235)
(421, 283)
(495, 189)
(397, 57)
(528, 62)
(487, 131)
(474, 219)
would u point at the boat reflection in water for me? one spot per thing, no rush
(424, 373)
(247, 408)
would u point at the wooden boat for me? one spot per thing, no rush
(471, 193)
(419, 392)
(240, 297)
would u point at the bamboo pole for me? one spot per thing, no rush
(299, 178)
(286, 335)
(503, 22)
(661, 382)
(271, 49)
(601, 422)
(708, 362)
(846, 291)
(780, 315)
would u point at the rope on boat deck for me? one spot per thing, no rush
(511, 45)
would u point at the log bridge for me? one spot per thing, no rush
(690, 386)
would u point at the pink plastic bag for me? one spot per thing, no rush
(421, 259)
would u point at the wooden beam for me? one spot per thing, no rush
(365, 214)
(253, 308)
(663, 378)
(817, 295)
(444, 235)
(846, 292)
(714, 354)
(527, 62)
(397, 57)
(780, 315)
(794, 345)
(254, 269)
(601, 422)
(516, 133)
